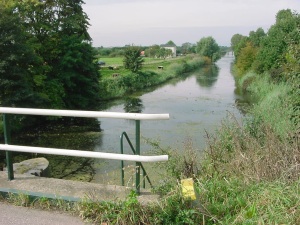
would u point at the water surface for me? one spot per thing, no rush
(197, 102)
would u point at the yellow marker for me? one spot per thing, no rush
(188, 190)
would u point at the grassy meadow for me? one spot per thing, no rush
(150, 64)
(118, 82)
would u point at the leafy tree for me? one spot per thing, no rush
(207, 46)
(17, 61)
(237, 42)
(256, 36)
(68, 77)
(187, 48)
(170, 43)
(132, 58)
(164, 53)
(152, 51)
(246, 58)
(275, 44)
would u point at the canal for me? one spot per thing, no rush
(197, 102)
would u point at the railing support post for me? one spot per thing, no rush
(122, 162)
(9, 163)
(137, 152)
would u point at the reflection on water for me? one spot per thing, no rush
(133, 105)
(207, 76)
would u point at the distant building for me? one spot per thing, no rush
(171, 47)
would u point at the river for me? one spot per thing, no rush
(196, 102)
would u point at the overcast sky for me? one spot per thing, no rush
(148, 22)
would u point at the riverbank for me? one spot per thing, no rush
(126, 82)
(251, 170)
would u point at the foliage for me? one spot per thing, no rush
(186, 48)
(171, 43)
(207, 46)
(110, 52)
(17, 62)
(274, 45)
(277, 55)
(132, 58)
(171, 210)
(51, 54)
(292, 75)
(157, 51)
(255, 37)
(235, 40)
(246, 58)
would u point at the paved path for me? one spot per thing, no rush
(17, 215)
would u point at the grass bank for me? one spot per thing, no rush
(126, 82)
(250, 174)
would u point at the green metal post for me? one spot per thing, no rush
(137, 152)
(122, 162)
(9, 163)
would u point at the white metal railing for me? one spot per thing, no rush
(69, 152)
(90, 114)
(88, 154)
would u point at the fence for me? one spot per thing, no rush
(69, 152)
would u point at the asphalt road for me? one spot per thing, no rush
(16, 215)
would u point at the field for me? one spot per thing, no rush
(117, 62)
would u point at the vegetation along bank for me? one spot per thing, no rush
(250, 171)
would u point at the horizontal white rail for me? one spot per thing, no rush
(77, 113)
(88, 154)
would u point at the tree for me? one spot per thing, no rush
(132, 58)
(274, 45)
(170, 43)
(207, 46)
(187, 48)
(236, 39)
(256, 36)
(164, 52)
(246, 58)
(17, 61)
(152, 51)
(68, 77)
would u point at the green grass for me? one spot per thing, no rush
(118, 61)
(150, 64)
(126, 82)
(112, 61)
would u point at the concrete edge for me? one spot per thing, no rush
(5, 192)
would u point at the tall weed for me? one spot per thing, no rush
(235, 152)
(273, 106)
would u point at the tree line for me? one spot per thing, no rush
(275, 51)
(274, 54)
